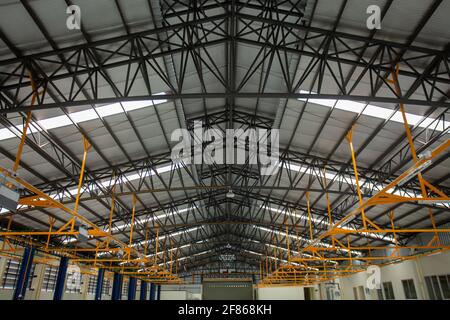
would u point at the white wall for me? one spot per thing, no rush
(181, 292)
(416, 269)
(175, 295)
(285, 293)
(280, 293)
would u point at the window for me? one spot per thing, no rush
(11, 275)
(355, 293)
(50, 275)
(438, 287)
(388, 291)
(409, 289)
(92, 284)
(358, 293)
(106, 286)
(74, 282)
(445, 286)
(380, 294)
(125, 289)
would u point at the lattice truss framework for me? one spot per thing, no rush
(189, 55)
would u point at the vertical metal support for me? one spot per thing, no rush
(24, 274)
(267, 266)
(51, 222)
(152, 291)
(394, 234)
(260, 271)
(143, 293)
(352, 151)
(156, 245)
(146, 240)
(412, 148)
(275, 251)
(325, 184)
(288, 241)
(22, 142)
(132, 288)
(86, 147)
(309, 217)
(164, 252)
(111, 213)
(61, 279)
(349, 251)
(158, 295)
(117, 287)
(133, 210)
(25, 127)
(171, 255)
(99, 286)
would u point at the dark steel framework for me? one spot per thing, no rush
(327, 63)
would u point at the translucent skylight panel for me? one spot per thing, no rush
(351, 106)
(109, 110)
(377, 112)
(55, 122)
(82, 116)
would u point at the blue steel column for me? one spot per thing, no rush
(99, 286)
(61, 279)
(143, 293)
(24, 274)
(132, 289)
(152, 291)
(117, 287)
(158, 297)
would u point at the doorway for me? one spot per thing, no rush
(309, 293)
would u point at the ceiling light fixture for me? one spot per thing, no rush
(414, 173)
(230, 194)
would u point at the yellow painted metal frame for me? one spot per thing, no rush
(316, 267)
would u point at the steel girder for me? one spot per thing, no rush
(331, 56)
(100, 182)
(275, 37)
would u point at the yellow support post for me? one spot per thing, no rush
(132, 222)
(394, 234)
(171, 255)
(51, 223)
(309, 216)
(287, 241)
(260, 271)
(27, 124)
(412, 148)
(86, 147)
(352, 151)
(146, 240)
(156, 245)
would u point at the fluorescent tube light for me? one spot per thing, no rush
(80, 116)
(414, 173)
